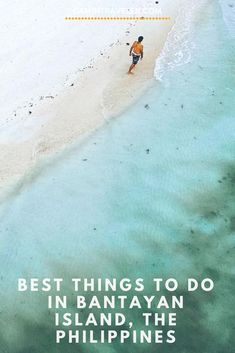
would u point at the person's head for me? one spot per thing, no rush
(140, 39)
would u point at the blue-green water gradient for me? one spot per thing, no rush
(151, 194)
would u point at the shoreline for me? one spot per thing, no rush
(72, 116)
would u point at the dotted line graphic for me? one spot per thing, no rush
(117, 18)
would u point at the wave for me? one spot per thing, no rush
(179, 44)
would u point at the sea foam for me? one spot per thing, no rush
(179, 45)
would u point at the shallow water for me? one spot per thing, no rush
(151, 194)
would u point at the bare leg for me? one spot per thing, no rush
(130, 69)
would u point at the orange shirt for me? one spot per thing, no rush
(137, 48)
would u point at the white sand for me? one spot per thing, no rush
(99, 92)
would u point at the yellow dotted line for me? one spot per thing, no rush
(117, 18)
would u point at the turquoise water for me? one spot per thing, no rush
(151, 194)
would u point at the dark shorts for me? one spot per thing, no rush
(135, 58)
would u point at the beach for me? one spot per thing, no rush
(45, 126)
(147, 191)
